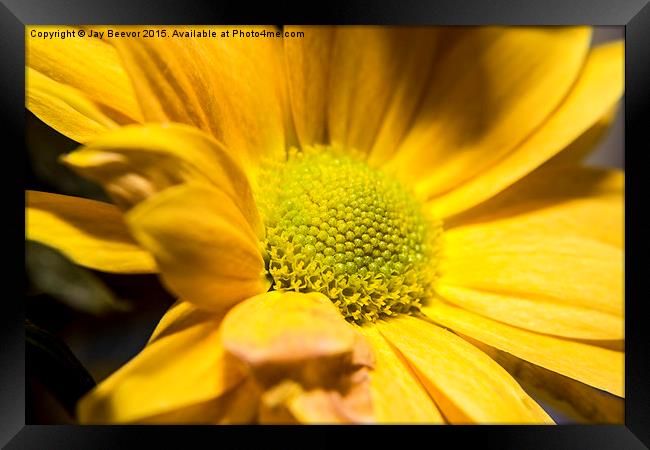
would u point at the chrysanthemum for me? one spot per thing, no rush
(360, 224)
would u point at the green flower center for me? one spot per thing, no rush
(337, 226)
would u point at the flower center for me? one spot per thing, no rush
(337, 226)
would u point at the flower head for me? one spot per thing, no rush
(363, 224)
(335, 225)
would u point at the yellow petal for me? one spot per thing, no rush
(376, 77)
(177, 371)
(563, 269)
(580, 149)
(571, 201)
(64, 108)
(595, 366)
(91, 233)
(537, 315)
(135, 162)
(491, 89)
(595, 92)
(468, 386)
(284, 327)
(88, 65)
(582, 402)
(206, 251)
(181, 315)
(397, 395)
(232, 88)
(237, 406)
(361, 84)
(307, 68)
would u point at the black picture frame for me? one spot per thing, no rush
(634, 15)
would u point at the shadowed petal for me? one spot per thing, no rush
(173, 376)
(595, 366)
(595, 92)
(467, 385)
(91, 233)
(206, 251)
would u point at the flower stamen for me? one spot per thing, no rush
(337, 226)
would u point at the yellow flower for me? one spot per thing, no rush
(361, 224)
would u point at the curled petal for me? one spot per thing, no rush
(91, 233)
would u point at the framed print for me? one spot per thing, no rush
(406, 215)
